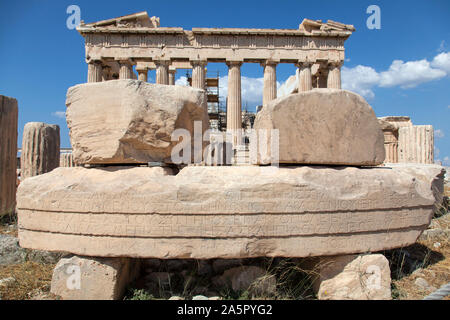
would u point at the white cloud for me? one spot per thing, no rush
(59, 114)
(182, 81)
(360, 79)
(442, 62)
(409, 74)
(438, 133)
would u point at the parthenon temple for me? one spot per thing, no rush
(114, 46)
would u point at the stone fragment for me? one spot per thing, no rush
(199, 297)
(10, 251)
(320, 126)
(88, 278)
(129, 121)
(8, 154)
(353, 277)
(226, 212)
(6, 282)
(176, 298)
(422, 284)
(40, 149)
(251, 278)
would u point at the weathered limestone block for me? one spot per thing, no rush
(8, 154)
(320, 126)
(416, 144)
(85, 278)
(40, 149)
(226, 212)
(66, 160)
(128, 121)
(353, 277)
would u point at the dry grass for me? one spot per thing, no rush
(31, 277)
(435, 270)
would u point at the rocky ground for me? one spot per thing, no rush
(416, 271)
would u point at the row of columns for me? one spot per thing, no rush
(164, 75)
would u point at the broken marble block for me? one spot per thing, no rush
(226, 212)
(320, 126)
(130, 121)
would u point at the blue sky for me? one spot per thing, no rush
(401, 69)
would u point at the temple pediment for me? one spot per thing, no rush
(135, 20)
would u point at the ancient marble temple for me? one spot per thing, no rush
(114, 46)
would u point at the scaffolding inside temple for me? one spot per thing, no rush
(216, 109)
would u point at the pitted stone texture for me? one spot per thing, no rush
(354, 277)
(226, 212)
(128, 121)
(84, 278)
(8, 154)
(322, 126)
(40, 149)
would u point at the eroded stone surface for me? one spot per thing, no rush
(226, 212)
(84, 278)
(128, 121)
(322, 126)
(354, 277)
(40, 149)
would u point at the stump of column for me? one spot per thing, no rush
(95, 71)
(234, 113)
(162, 72)
(126, 69)
(270, 82)
(93, 278)
(40, 149)
(304, 76)
(8, 154)
(416, 144)
(334, 75)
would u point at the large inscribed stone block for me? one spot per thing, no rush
(8, 154)
(40, 149)
(129, 121)
(321, 126)
(226, 212)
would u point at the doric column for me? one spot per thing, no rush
(234, 115)
(270, 81)
(95, 72)
(334, 75)
(40, 149)
(8, 154)
(172, 73)
(142, 74)
(162, 71)
(126, 69)
(304, 76)
(198, 74)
